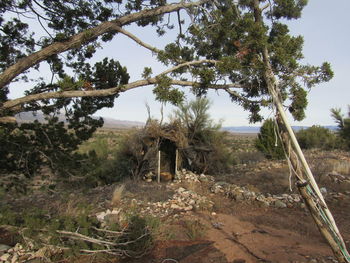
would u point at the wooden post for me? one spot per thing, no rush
(176, 160)
(158, 174)
(313, 204)
(324, 222)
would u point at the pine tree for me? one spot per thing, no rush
(343, 125)
(268, 141)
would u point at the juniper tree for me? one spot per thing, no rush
(243, 47)
(343, 125)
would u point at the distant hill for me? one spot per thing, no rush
(113, 123)
(256, 129)
(108, 122)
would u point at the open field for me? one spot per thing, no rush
(204, 218)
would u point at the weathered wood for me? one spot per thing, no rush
(176, 160)
(7, 119)
(158, 174)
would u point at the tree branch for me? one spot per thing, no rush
(84, 37)
(136, 39)
(239, 96)
(11, 104)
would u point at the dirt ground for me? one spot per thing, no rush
(234, 232)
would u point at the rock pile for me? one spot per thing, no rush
(183, 200)
(239, 193)
(189, 176)
(20, 254)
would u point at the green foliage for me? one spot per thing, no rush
(147, 72)
(268, 141)
(203, 133)
(27, 146)
(165, 92)
(317, 137)
(44, 228)
(343, 125)
(236, 34)
(138, 231)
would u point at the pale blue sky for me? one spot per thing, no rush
(325, 27)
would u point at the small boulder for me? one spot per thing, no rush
(280, 204)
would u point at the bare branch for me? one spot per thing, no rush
(136, 39)
(239, 96)
(84, 37)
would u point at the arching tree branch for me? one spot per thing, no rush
(86, 36)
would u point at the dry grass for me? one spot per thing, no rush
(117, 195)
(73, 207)
(194, 229)
(342, 167)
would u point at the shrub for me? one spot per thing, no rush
(317, 137)
(343, 125)
(81, 232)
(194, 229)
(268, 141)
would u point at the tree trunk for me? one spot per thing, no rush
(317, 207)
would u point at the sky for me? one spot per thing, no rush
(324, 26)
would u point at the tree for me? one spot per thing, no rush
(268, 141)
(343, 125)
(206, 143)
(243, 47)
(318, 137)
(223, 44)
(223, 47)
(194, 116)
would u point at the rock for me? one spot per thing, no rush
(4, 248)
(181, 189)
(14, 259)
(188, 208)
(175, 206)
(323, 191)
(280, 204)
(5, 257)
(203, 178)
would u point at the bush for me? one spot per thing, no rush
(344, 127)
(80, 231)
(268, 141)
(317, 137)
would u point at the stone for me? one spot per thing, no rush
(4, 248)
(175, 206)
(280, 204)
(188, 208)
(323, 191)
(202, 178)
(14, 259)
(5, 257)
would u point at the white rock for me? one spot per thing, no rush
(175, 206)
(14, 259)
(100, 216)
(5, 257)
(188, 208)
